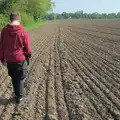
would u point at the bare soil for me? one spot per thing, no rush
(74, 73)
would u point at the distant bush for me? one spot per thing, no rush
(3, 20)
(31, 10)
(26, 19)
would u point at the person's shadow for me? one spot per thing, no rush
(5, 101)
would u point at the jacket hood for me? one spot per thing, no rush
(13, 29)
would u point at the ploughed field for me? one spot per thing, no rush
(74, 73)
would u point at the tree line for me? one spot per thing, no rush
(30, 10)
(81, 14)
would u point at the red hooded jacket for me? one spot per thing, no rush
(14, 44)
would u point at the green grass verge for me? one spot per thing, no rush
(35, 25)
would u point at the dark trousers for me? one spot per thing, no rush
(18, 71)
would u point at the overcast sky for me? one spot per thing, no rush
(89, 6)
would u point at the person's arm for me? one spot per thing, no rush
(1, 48)
(28, 52)
(27, 44)
(2, 60)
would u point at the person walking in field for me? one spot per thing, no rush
(14, 47)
